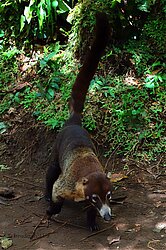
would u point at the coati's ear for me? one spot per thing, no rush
(84, 180)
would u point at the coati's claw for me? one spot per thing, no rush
(49, 214)
(47, 198)
(94, 227)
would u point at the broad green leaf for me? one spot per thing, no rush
(28, 14)
(48, 5)
(41, 16)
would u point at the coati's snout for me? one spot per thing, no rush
(98, 192)
(105, 212)
(103, 207)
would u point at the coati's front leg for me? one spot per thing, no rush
(91, 219)
(52, 175)
(55, 207)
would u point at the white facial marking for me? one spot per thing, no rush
(94, 196)
(105, 209)
(109, 197)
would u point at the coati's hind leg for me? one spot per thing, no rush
(52, 175)
(91, 219)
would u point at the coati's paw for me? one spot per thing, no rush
(53, 210)
(47, 197)
(93, 227)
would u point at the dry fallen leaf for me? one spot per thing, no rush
(113, 240)
(116, 177)
(159, 226)
(6, 242)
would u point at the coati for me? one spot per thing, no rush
(76, 173)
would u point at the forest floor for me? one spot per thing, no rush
(139, 221)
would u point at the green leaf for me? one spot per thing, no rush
(134, 112)
(151, 85)
(144, 7)
(6, 242)
(53, 122)
(158, 63)
(16, 97)
(55, 4)
(51, 55)
(3, 167)
(63, 6)
(54, 83)
(41, 16)
(22, 22)
(43, 63)
(3, 127)
(45, 60)
(28, 13)
(1, 33)
(51, 93)
(32, 2)
(10, 53)
(48, 5)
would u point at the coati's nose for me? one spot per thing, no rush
(105, 212)
(107, 217)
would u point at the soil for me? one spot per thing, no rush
(139, 221)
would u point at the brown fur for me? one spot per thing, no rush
(78, 164)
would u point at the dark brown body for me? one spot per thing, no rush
(76, 173)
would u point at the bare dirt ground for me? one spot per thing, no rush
(139, 222)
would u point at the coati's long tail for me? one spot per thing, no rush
(90, 64)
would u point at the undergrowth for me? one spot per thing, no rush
(124, 112)
(128, 116)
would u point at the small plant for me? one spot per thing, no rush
(126, 117)
(45, 12)
(122, 116)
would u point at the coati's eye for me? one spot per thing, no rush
(94, 198)
(109, 195)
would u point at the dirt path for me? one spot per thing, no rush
(138, 223)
